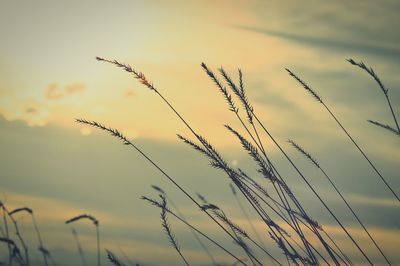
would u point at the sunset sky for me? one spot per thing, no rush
(49, 77)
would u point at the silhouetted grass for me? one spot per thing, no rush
(113, 259)
(384, 90)
(315, 163)
(79, 246)
(311, 91)
(287, 228)
(41, 248)
(96, 224)
(175, 207)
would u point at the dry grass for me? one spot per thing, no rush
(289, 234)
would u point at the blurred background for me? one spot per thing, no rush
(49, 77)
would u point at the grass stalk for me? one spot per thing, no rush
(175, 207)
(385, 90)
(240, 93)
(42, 249)
(113, 259)
(7, 233)
(15, 250)
(95, 223)
(79, 246)
(246, 216)
(250, 110)
(315, 192)
(157, 204)
(18, 233)
(316, 164)
(120, 136)
(168, 230)
(309, 89)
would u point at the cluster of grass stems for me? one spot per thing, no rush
(288, 227)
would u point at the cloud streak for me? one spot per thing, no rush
(55, 91)
(330, 44)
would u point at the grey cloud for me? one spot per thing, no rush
(31, 110)
(331, 44)
(356, 27)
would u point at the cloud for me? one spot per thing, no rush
(74, 88)
(31, 110)
(325, 42)
(130, 93)
(55, 92)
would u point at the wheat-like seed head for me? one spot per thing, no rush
(111, 131)
(113, 259)
(138, 75)
(265, 170)
(222, 89)
(305, 85)
(306, 154)
(202, 198)
(231, 224)
(240, 93)
(233, 189)
(385, 127)
(151, 201)
(83, 216)
(166, 226)
(23, 209)
(194, 145)
(15, 250)
(157, 188)
(371, 72)
(209, 206)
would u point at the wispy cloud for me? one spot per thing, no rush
(31, 110)
(331, 44)
(74, 88)
(373, 201)
(130, 93)
(55, 91)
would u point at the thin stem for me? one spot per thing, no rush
(316, 164)
(192, 231)
(79, 246)
(313, 190)
(7, 234)
(247, 218)
(355, 215)
(385, 91)
(302, 237)
(155, 203)
(391, 110)
(119, 135)
(312, 92)
(18, 233)
(250, 111)
(41, 247)
(361, 151)
(98, 244)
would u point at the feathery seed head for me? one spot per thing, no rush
(308, 88)
(306, 154)
(83, 216)
(138, 75)
(371, 72)
(24, 209)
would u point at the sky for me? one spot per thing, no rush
(49, 77)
